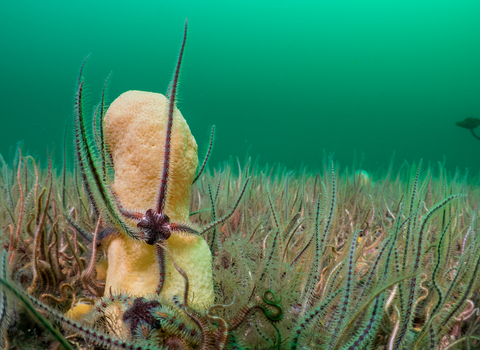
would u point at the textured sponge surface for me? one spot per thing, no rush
(135, 127)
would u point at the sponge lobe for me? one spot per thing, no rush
(135, 127)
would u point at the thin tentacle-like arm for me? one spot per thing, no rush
(210, 146)
(183, 228)
(171, 107)
(161, 265)
(223, 218)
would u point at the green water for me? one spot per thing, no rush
(287, 79)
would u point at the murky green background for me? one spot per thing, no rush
(287, 78)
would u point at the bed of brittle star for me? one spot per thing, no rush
(217, 337)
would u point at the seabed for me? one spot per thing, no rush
(328, 260)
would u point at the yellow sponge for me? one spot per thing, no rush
(135, 126)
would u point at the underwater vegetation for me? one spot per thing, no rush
(137, 249)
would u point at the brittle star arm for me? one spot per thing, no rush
(183, 228)
(161, 267)
(225, 217)
(160, 207)
(210, 146)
